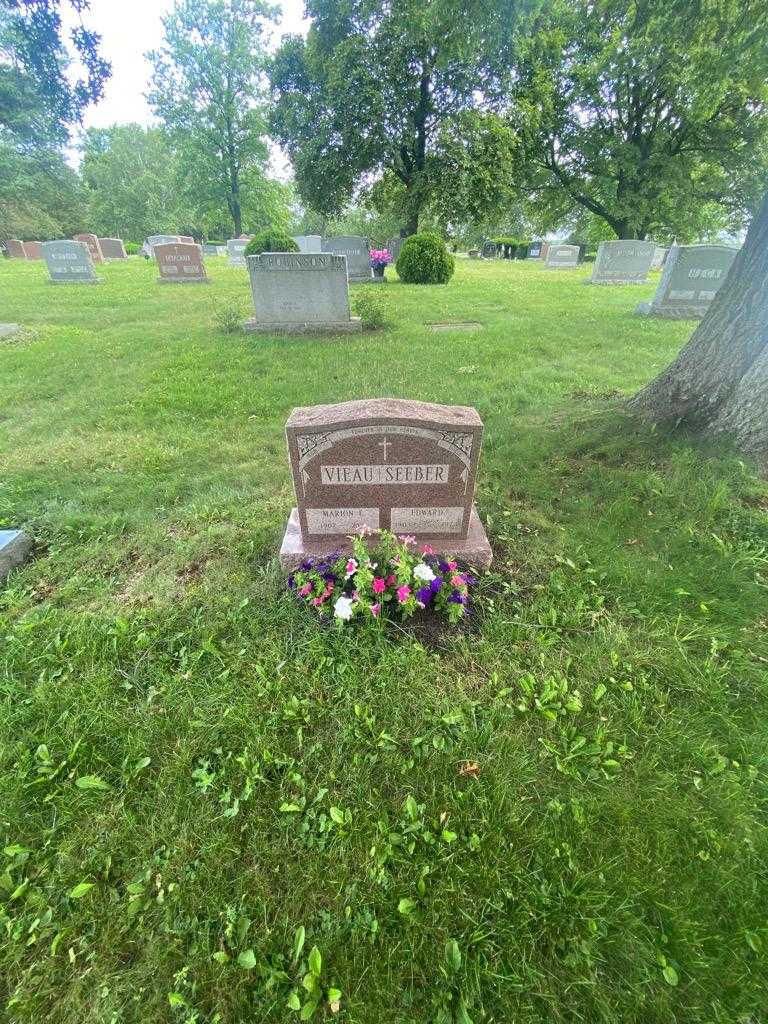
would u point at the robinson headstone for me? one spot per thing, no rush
(622, 261)
(69, 262)
(93, 246)
(692, 277)
(300, 293)
(15, 549)
(562, 257)
(15, 249)
(386, 463)
(308, 243)
(236, 251)
(180, 263)
(113, 249)
(357, 252)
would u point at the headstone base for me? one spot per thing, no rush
(474, 549)
(678, 313)
(93, 280)
(182, 280)
(352, 326)
(15, 548)
(617, 280)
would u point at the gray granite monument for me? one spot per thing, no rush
(300, 293)
(69, 262)
(622, 261)
(308, 243)
(562, 257)
(357, 252)
(236, 251)
(692, 277)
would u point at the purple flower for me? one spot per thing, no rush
(469, 580)
(329, 577)
(444, 567)
(457, 598)
(306, 566)
(436, 584)
(424, 595)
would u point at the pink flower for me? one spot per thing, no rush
(406, 539)
(306, 589)
(453, 566)
(457, 581)
(427, 549)
(375, 609)
(351, 567)
(364, 531)
(379, 586)
(391, 580)
(317, 601)
(403, 593)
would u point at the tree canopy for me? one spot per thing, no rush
(645, 112)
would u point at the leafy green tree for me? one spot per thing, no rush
(132, 178)
(372, 87)
(41, 196)
(207, 90)
(39, 99)
(646, 113)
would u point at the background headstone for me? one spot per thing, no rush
(622, 261)
(308, 243)
(300, 293)
(394, 245)
(69, 262)
(15, 249)
(154, 240)
(384, 464)
(659, 255)
(113, 249)
(544, 250)
(180, 263)
(15, 549)
(692, 277)
(236, 251)
(93, 246)
(214, 250)
(534, 250)
(562, 257)
(355, 248)
(187, 238)
(33, 250)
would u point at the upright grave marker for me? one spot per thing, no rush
(622, 261)
(395, 245)
(154, 240)
(34, 250)
(308, 243)
(357, 252)
(659, 255)
(214, 250)
(384, 463)
(15, 249)
(692, 277)
(534, 250)
(15, 549)
(113, 249)
(69, 262)
(562, 257)
(180, 263)
(187, 238)
(544, 250)
(236, 251)
(300, 293)
(93, 246)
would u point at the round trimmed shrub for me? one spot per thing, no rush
(271, 240)
(424, 259)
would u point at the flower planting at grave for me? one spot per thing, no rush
(380, 258)
(396, 578)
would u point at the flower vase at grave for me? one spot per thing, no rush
(378, 270)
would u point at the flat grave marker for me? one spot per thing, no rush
(180, 263)
(69, 262)
(385, 463)
(300, 293)
(622, 261)
(692, 277)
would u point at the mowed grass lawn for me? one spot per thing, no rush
(195, 777)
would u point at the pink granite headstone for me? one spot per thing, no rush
(15, 249)
(94, 248)
(34, 250)
(180, 263)
(384, 463)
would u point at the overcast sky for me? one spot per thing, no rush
(129, 28)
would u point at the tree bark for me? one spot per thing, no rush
(718, 385)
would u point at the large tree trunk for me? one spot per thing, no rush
(718, 384)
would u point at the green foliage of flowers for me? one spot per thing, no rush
(270, 240)
(371, 306)
(424, 259)
(132, 248)
(389, 579)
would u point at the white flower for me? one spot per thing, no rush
(343, 608)
(423, 572)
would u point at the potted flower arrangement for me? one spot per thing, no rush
(392, 579)
(380, 259)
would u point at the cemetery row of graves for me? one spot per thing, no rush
(515, 775)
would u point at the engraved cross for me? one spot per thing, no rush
(385, 444)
